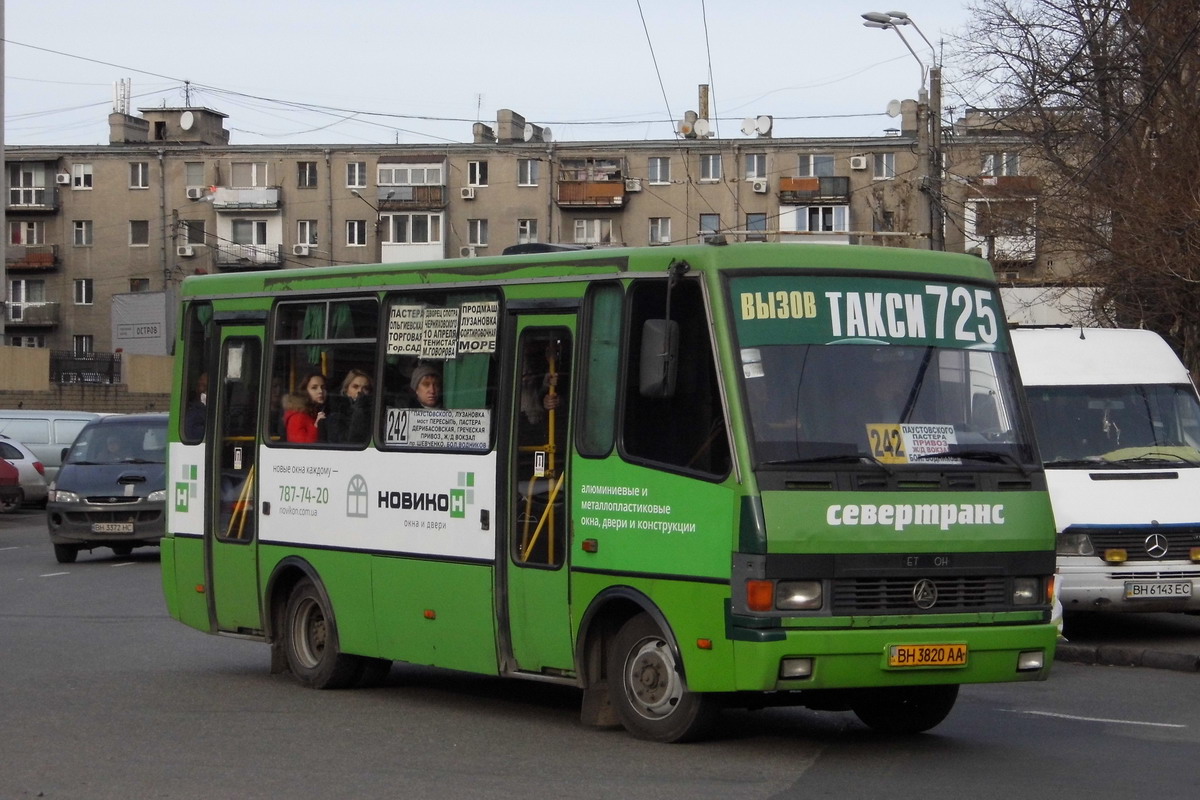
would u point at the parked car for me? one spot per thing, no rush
(10, 487)
(46, 433)
(32, 472)
(111, 491)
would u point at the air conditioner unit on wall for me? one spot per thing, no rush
(301, 249)
(467, 251)
(185, 251)
(195, 192)
(858, 162)
(760, 185)
(62, 178)
(633, 184)
(468, 193)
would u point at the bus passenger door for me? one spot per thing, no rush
(232, 535)
(538, 518)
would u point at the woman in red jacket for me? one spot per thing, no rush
(304, 410)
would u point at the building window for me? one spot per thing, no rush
(527, 172)
(139, 175)
(709, 224)
(194, 173)
(710, 167)
(823, 219)
(249, 232)
(756, 227)
(527, 231)
(26, 232)
(477, 173)
(593, 231)
(82, 344)
(139, 232)
(411, 228)
(1001, 164)
(477, 232)
(356, 233)
(26, 185)
(139, 284)
(23, 292)
(885, 166)
(36, 340)
(83, 291)
(81, 176)
(409, 175)
(306, 174)
(812, 165)
(249, 174)
(356, 175)
(82, 232)
(192, 231)
(756, 166)
(306, 231)
(660, 230)
(658, 169)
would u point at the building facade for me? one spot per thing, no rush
(169, 197)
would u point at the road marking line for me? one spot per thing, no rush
(53, 574)
(122, 564)
(1097, 719)
(14, 547)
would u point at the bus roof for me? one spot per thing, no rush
(757, 255)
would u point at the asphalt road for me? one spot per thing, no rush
(104, 696)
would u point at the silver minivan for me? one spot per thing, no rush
(46, 433)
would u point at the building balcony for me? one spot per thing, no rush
(45, 315)
(399, 198)
(806, 191)
(1007, 185)
(32, 200)
(261, 198)
(31, 258)
(248, 256)
(591, 194)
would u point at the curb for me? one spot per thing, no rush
(1119, 656)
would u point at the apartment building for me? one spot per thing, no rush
(169, 196)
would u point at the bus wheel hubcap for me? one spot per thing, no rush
(654, 686)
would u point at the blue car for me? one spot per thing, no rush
(111, 490)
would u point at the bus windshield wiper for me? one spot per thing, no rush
(1156, 457)
(841, 458)
(978, 455)
(1090, 462)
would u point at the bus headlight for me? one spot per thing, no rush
(1026, 591)
(1075, 544)
(798, 595)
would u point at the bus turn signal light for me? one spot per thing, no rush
(760, 595)
(1116, 555)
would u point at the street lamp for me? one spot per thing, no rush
(378, 214)
(929, 130)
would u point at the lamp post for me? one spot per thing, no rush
(929, 117)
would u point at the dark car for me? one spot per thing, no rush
(10, 487)
(111, 490)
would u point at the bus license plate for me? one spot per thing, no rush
(1138, 589)
(927, 655)
(112, 527)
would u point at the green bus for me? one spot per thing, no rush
(677, 478)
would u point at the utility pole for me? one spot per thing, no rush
(937, 228)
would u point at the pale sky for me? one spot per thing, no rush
(384, 71)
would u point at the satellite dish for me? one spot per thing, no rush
(701, 127)
(547, 136)
(763, 124)
(186, 120)
(893, 108)
(748, 126)
(529, 132)
(684, 127)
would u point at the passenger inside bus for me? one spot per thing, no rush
(426, 383)
(304, 410)
(349, 419)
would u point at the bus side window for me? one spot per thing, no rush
(194, 414)
(687, 429)
(597, 409)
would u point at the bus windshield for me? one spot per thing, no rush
(892, 371)
(1079, 426)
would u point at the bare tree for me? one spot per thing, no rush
(1106, 96)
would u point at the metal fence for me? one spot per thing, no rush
(67, 366)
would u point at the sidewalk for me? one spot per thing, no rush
(1161, 641)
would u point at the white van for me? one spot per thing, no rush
(46, 433)
(1117, 420)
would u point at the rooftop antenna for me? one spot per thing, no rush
(187, 94)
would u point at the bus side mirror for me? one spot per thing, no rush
(659, 358)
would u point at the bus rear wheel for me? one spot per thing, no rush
(310, 641)
(647, 689)
(905, 709)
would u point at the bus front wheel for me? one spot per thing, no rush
(905, 709)
(647, 689)
(310, 641)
